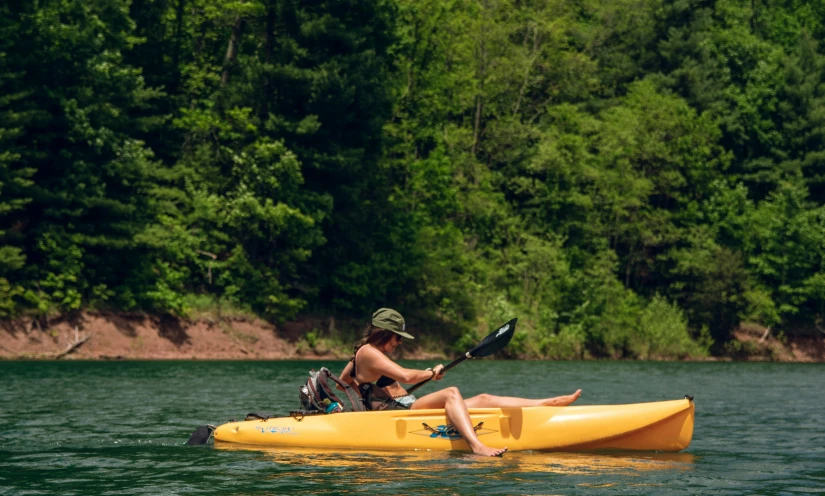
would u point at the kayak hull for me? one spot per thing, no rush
(656, 426)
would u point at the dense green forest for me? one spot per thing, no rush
(631, 178)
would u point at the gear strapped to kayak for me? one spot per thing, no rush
(317, 395)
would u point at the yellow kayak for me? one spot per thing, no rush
(656, 426)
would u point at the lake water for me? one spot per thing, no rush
(112, 428)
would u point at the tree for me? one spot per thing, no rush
(14, 180)
(88, 173)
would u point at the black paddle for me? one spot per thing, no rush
(497, 340)
(201, 435)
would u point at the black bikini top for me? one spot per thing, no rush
(382, 381)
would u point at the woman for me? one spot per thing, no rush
(370, 365)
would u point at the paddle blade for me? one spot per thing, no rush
(201, 435)
(497, 340)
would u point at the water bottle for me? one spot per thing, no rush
(334, 407)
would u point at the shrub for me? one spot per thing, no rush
(663, 333)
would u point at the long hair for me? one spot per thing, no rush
(375, 336)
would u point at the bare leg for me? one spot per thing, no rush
(453, 404)
(491, 401)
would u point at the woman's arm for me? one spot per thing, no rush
(347, 377)
(373, 363)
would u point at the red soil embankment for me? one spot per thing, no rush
(136, 336)
(757, 343)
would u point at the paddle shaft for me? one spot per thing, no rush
(448, 367)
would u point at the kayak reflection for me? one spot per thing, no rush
(376, 462)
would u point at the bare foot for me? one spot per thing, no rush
(563, 400)
(487, 451)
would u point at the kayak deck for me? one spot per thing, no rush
(655, 426)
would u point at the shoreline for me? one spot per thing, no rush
(121, 336)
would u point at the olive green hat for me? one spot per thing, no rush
(389, 319)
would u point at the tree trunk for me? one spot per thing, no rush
(479, 98)
(269, 49)
(231, 49)
(533, 58)
(179, 11)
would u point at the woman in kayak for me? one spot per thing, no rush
(370, 368)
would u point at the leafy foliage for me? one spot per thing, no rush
(631, 178)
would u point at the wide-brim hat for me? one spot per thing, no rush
(389, 319)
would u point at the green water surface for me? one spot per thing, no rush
(109, 428)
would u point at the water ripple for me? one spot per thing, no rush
(113, 428)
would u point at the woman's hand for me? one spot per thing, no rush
(438, 372)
